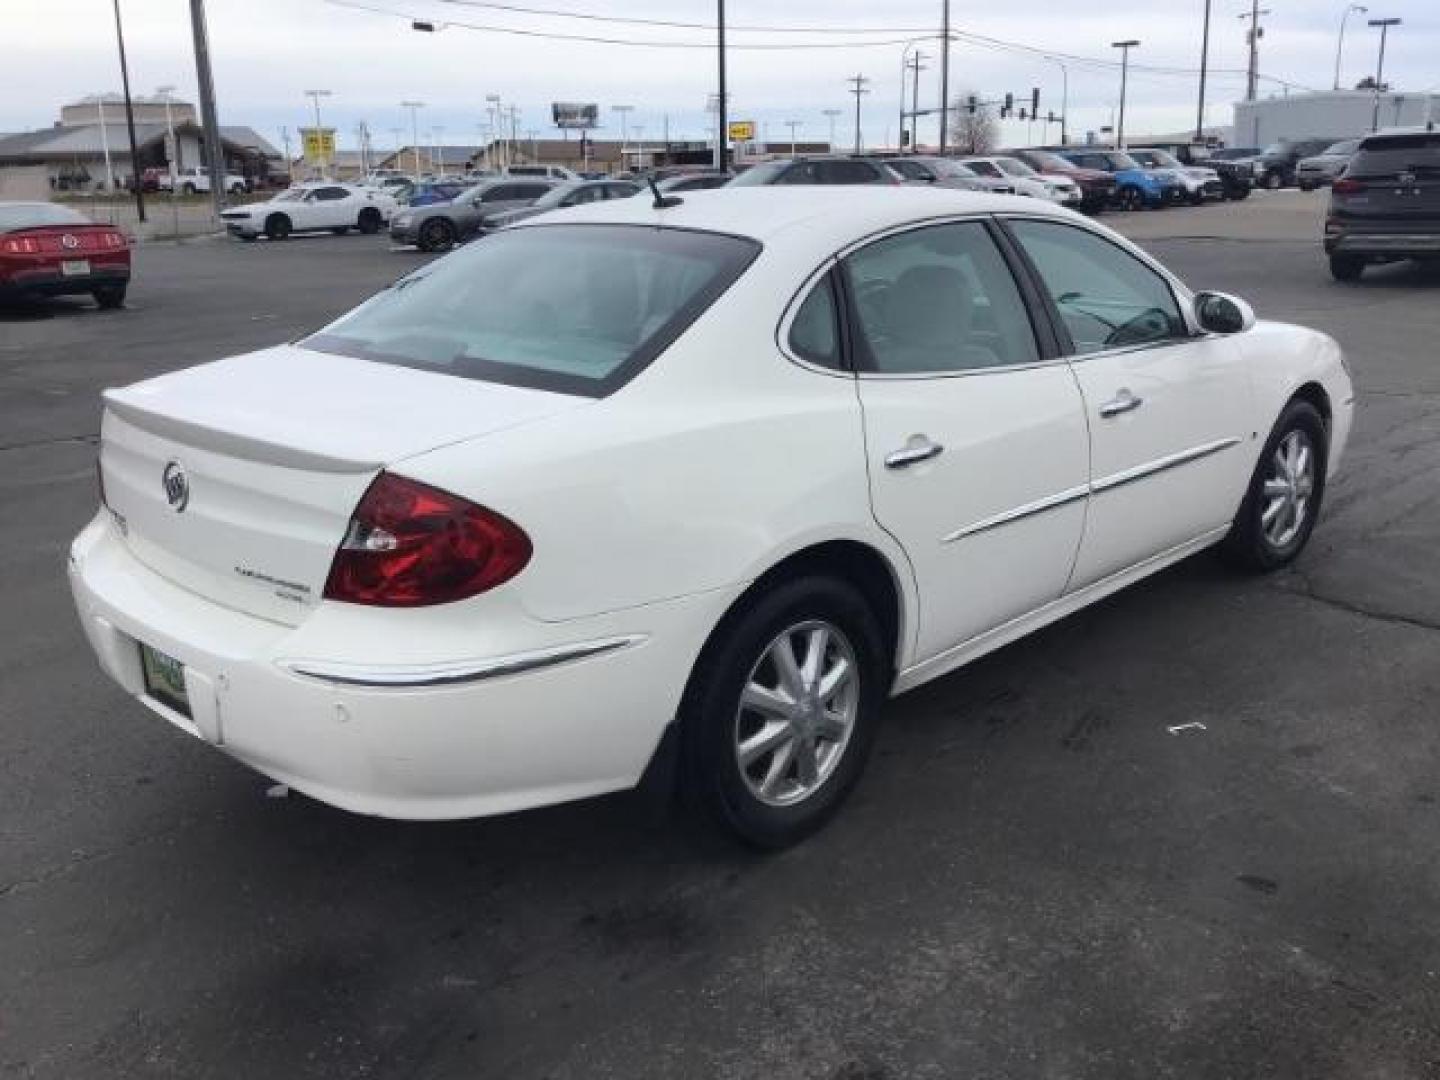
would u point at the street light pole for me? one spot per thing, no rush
(915, 104)
(722, 116)
(833, 114)
(1124, 47)
(129, 116)
(624, 111)
(315, 96)
(1064, 99)
(944, 77)
(414, 107)
(1384, 25)
(793, 125)
(1350, 9)
(1204, 63)
(173, 151)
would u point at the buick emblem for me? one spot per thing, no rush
(177, 486)
(69, 241)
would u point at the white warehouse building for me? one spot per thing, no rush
(1337, 114)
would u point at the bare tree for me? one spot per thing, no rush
(975, 132)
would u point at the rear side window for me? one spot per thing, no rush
(847, 172)
(578, 309)
(938, 299)
(1419, 154)
(815, 333)
(330, 194)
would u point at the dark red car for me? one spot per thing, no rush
(50, 250)
(1096, 188)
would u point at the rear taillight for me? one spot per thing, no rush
(1347, 187)
(23, 245)
(411, 545)
(113, 239)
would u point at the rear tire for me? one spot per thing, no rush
(1274, 182)
(1304, 186)
(369, 221)
(110, 297)
(1131, 198)
(1346, 267)
(277, 227)
(1283, 500)
(805, 749)
(188, 189)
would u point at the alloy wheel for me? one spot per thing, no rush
(1289, 483)
(797, 713)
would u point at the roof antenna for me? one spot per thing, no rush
(662, 202)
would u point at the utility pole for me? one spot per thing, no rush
(833, 114)
(722, 120)
(129, 116)
(1384, 25)
(858, 89)
(793, 125)
(914, 102)
(1253, 74)
(1204, 62)
(209, 116)
(1064, 99)
(944, 77)
(1124, 47)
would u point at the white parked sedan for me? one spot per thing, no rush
(1026, 181)
(631, 491)
(312, 207)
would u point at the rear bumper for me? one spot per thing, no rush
(1399, 243)
(51, 282)
(573, 709)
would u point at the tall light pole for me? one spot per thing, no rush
(439, 144)
(209, 115)
(1350, 9)
(857, 87)
(905, 65)
(105, 142)
(793, 125)
(497, 128)
(833, 115)
(1384, 25)
(1124, 47)
(1204, 63)
(722, 103)
(129, 116)
(414, 107)
(173, 151)
(315, 96)
(1253, 36)
(944, 77)
(1064, 99)
(624, 111)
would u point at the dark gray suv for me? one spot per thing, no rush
(1386, 205)
(439, 226)
(817, 170)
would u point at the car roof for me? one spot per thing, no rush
(829, 217)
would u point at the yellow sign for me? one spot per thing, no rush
(319, 143)
(742, 131)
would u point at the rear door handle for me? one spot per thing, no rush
(1122, 402)
(919, 448)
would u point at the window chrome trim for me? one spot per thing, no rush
(1007, 517)
(1169, 461)
(413, 676)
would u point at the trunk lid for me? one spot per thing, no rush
(237, 479)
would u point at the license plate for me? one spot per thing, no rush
(75, 267)
(164, 679)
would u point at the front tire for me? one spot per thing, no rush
(277, 227)
(1131, 198)
(1346, 267)
(1283, 501)
(369, 221)
(781, 711)
(436, 234)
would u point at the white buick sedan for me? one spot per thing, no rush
(684, 492)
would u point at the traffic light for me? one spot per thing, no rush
(1009, 104)
(1034, 101)
(1023, 116)
(972, 104)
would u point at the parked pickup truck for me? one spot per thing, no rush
(197, 181)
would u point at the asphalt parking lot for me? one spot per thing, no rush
(1036, 879)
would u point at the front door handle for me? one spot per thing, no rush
(1122, 402)
(917, 448)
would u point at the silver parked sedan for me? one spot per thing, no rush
(439, 226)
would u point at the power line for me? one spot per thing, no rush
(674, 24)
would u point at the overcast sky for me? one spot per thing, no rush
(267, 53)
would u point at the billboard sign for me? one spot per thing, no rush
(575, 115)
(742, 131)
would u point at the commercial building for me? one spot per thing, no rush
(1337, 114)
(88, 148)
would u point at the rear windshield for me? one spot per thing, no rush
(1398, 154)
(760, 174)
(578, 309)
(37, 215)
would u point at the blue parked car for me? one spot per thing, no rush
(426, 194)
(1135, 186)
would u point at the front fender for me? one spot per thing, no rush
(1283, 360)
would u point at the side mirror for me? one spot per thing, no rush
(1221, 313)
